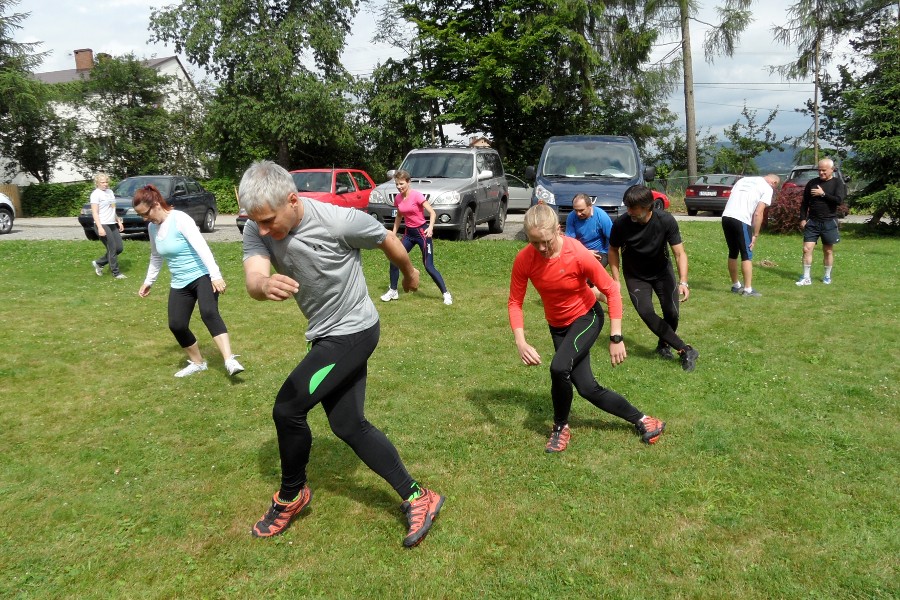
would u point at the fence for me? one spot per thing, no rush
(13, 192)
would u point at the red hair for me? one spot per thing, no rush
(149, 196)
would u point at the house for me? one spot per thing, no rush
(479, 142)
(169, 66)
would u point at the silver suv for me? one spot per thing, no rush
(465, 186)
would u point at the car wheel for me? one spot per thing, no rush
(496, 225)
(209, 221)
(466, 231)
(90, 234)
(6, 221)
(658, 205)
(692, 212)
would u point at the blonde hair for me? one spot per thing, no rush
(541, 217)
(99, 176)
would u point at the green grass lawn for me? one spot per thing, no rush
(776, 478)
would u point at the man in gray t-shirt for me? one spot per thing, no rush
(315, 250)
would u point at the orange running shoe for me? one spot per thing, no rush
(279, 516)
(650, 429)
(559, 439)
(421, 513)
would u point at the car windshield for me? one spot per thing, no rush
(804, 175)
(433, 165)
(317, 181)
(127, 187)
(590, 160)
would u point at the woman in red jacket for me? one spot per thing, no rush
(559, 267)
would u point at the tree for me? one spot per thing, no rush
(267, 102)
(720, 39)
(520, 71)
(866, 107)
(125, 130)
(747, 142)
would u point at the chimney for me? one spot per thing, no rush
(84, 59)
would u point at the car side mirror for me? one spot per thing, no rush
(486, 174)
(343, 189)
(649, 173)
(529, 172)
(390, 174)
(179, 192)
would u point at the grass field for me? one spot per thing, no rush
(777, 476)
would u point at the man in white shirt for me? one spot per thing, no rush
(741, 221)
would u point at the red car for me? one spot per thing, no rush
(709, 192)
(342, 187)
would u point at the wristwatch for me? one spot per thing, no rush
(615, 339)
(684, 283)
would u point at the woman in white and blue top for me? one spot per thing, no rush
(175, 238)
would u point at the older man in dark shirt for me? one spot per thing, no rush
(818, 218)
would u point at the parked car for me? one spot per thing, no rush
(465, 186)
(520, 193)
(7, 214)
(342, 187)
(803, 174)
(182, 193)
(601, 166)
(709, 192)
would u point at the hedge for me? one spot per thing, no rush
(66, 199)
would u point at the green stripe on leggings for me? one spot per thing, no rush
(317, 378)
(583, 331)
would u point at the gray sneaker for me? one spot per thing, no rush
(689, 359)
(751, 294)
(97, 268)
(737, 289)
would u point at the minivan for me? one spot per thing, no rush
(465, 186)
(601, 166)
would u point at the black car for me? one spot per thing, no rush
(182, 193)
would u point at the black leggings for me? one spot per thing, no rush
(665, 288)
(181, 306)
(572, 365)
(415, 236)
(334, 373)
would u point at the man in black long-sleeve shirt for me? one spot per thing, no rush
(818, 218)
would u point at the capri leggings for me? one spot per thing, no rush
(333, 373)
(181, 306)
(572, 365)
(415, 236)
(641, 292)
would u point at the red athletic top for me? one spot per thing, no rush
(561, 283)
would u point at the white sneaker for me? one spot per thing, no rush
(826, 280)
(448, 299)
(191, 369)
(804, 281)
(390, 295)
(233, 366)
(97, 268)
(121, 276)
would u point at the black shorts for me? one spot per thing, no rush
(827, 229)
(738, 237)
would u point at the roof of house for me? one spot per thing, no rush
(68, 75)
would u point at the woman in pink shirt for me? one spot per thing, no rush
(559, 267)
(412, 206)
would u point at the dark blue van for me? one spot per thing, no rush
(601, 166)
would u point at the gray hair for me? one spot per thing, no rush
(267, 184)
(828, 161)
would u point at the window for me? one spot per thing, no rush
(344, 183)
(361, 181)
(193, 187)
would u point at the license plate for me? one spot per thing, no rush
(393, 213)
(706, 193)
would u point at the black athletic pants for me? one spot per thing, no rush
(181, 306)
(333, 373)
(666, 289)
(572, 365)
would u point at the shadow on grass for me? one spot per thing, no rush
(332, 466)
(539, 409)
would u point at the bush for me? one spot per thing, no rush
(224, 191)
(55, 199)
(884, 202)
(784, 214)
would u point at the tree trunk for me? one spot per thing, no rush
(284, 155)
(690, 118)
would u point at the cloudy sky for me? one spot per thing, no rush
(120, 26)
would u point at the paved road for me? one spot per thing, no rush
(67, 228)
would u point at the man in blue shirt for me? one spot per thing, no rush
(590, 227)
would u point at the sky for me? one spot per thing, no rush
(117, 27)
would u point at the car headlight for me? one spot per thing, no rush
(451, 197)
(544, 195)
(378, 197)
